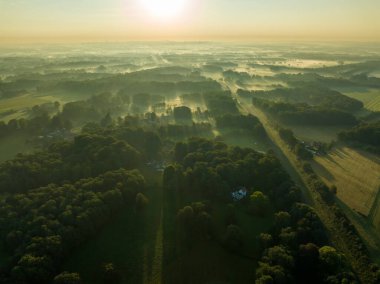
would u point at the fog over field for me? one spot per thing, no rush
(190, 162)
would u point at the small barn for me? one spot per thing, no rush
(239, 193)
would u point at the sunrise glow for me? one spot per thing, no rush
(164, 9)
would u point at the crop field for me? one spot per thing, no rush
(354, 173)
(370, 98)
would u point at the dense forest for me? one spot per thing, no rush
(42, 226)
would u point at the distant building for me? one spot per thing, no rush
(239, 194)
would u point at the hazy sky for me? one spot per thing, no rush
(103, 20)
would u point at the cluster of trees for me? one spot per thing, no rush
(247, 123)
(364, 135)
(50, 108)
(220, 102)
(38, 125)
(40, 227)
(18, 87)
(297, 248)
(182, 114)
(303, 114)
(196, 222)
(147, 142)
(142, 101)
(213, 170)
(87, 156)
(184, 131)
(312, 94)
(294, 144)
(135, 83)
(94, 108)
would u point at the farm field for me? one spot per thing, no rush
(19, 104)
(370, 98)
(354, 173)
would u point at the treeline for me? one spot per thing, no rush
(38, 125)
(296, 146)
(303, 114)
(174, 131)
(213, 170)
(147, 142)
(87, 156)
(366, 136)
(116, 82)
(248, 123)
(41, 227)
(312, 94)
(97, 106)
(220, 102)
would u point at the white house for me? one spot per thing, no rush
(239, 193)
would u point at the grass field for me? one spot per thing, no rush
(356, 175)
(21, 103)
(370, 98)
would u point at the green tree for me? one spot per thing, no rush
(282, 220)
(331, 260)
(302, 153)
(266, 240)
(182, 114)
(141, 201)
(259, 203)
(110, 274)
(67, 278)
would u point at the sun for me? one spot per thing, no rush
(164, 9)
